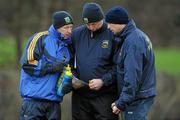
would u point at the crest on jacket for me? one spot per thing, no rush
(105, 44)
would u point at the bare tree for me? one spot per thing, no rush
(17, 29)
(44, 11)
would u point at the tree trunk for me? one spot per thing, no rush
(17, 31)
(45, 7)
(64, 5)
(18, 48)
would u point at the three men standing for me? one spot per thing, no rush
(103, 64)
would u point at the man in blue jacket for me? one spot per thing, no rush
(93, 47)
(135, 71)
(44, 58)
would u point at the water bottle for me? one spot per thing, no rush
(67, 77)
(68, 68)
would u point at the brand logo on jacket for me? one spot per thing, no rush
(105, 44)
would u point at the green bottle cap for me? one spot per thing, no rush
(68, 68)
(68, 73)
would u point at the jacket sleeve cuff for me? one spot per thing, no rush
(120, 105)
(107, 80)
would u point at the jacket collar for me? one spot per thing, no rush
(127, 29)
(53, 32)
(100, 30)
(103, 28)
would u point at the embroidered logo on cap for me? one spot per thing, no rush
(86, 20)
(105, 44)
(67, 20)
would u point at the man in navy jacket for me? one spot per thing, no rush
(135, 70)
(94, 51)
(44, 58)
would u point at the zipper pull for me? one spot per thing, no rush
(91, 34)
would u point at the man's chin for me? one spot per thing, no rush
(67, 36)
(92, 30)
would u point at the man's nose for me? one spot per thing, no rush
(69, 30)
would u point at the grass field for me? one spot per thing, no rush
(7, 51)
(167, 59)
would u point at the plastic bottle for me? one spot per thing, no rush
(64, 80)
(68, 68)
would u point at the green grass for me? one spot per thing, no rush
(168, 60)
(7, 51)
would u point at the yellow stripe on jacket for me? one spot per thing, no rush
(30, 50)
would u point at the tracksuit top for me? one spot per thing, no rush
(42, 52)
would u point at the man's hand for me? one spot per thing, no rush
(58, 67)
(76, 84)
(95, 84)
(115, 109)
